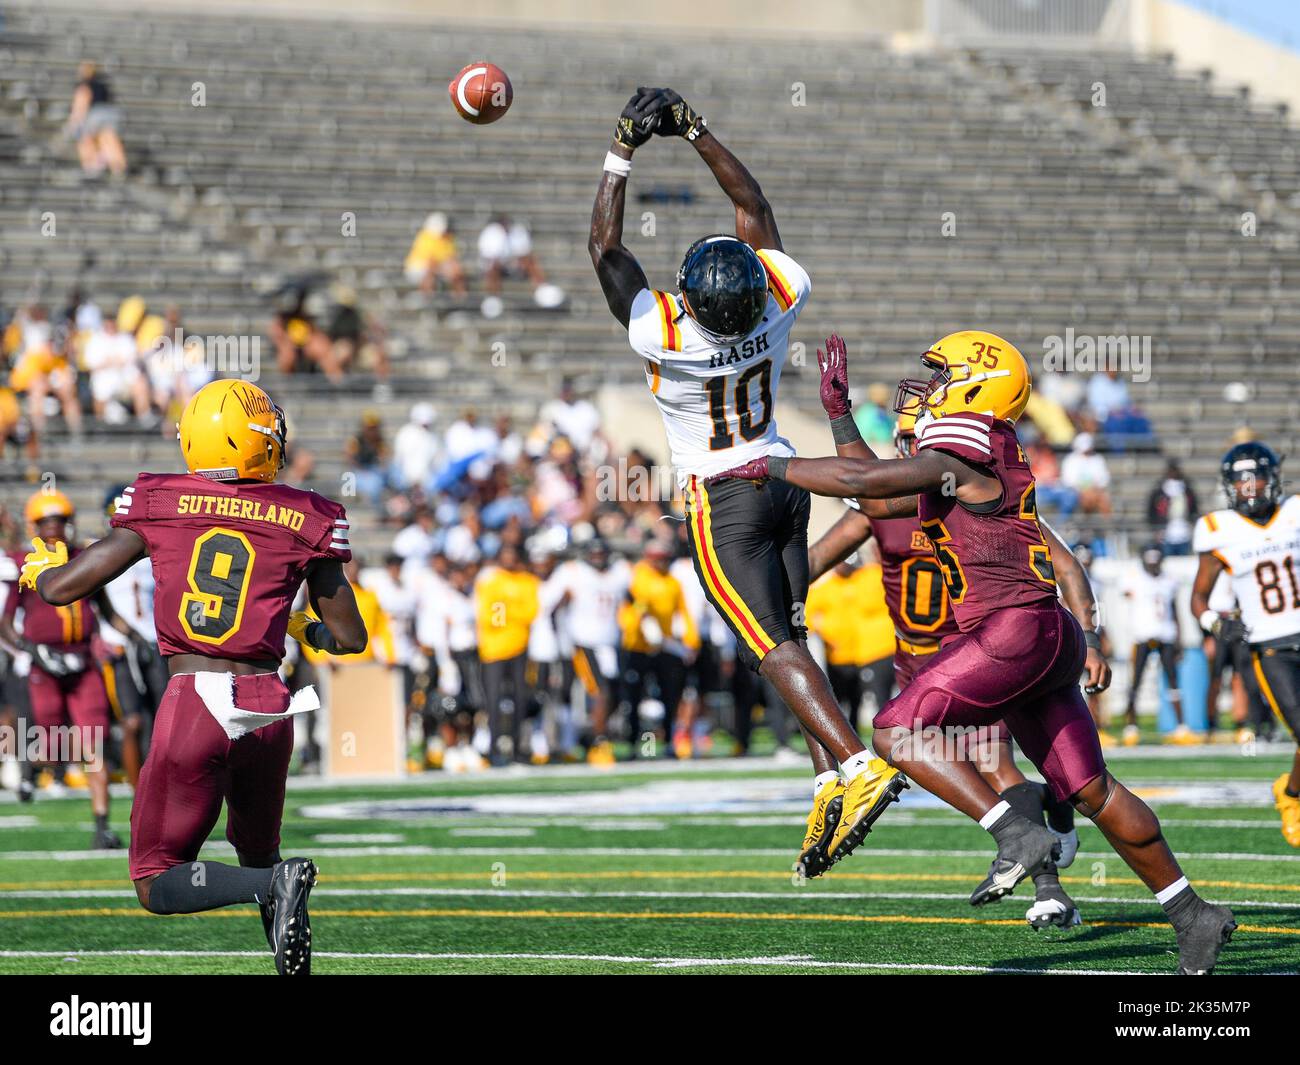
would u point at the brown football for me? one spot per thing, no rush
(481, 93)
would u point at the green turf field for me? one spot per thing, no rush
(663, 869)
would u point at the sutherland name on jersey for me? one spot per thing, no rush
(246, 509)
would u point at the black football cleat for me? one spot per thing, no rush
(105, 839)
(290, 933)
(1201, 941)
(267, 910)
(26, 791)
(1017, 858)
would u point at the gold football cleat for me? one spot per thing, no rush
(1289, 808)
(1106, 739)
(865, 799)
(1132, 737)
(601, 754)
(828, 804)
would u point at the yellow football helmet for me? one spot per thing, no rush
(971, 372)
(48, 504)
(905, 434)
(232, 431)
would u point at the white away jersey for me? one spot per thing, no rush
(718, 402)
(595, 597)
(1150, 607)
(1264, 561)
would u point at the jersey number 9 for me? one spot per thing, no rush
(218, 578)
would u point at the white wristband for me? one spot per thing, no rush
(1208, 619)
(616, 164)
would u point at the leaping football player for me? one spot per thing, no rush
(1019, 654)
(918, 606)
(229, 549)
(1257, 541)
(713, 353)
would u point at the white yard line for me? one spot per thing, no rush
(418, 850)
(781, 961)
(784, 897)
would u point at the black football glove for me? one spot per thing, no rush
(677, 118)
(55, 663)
(637, 122)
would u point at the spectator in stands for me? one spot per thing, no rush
(367, 457)
(93, 120)
(1171, 509)
(1085, 472)
(572, 416)
(466, 542)
(418, 540)
(435, 257)
(467, 440)
(505, 248)
(116, 377)
(349, 339)
(506, 603)
(1107, 393)
(416, 450)
(177, 366)
(40, 371)
(1049, 490)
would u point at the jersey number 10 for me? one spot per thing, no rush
(751, 428)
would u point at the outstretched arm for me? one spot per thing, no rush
(100, 563)
(755, 223)
(620, 275)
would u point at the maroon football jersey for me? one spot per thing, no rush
(914, 587)
(68, 628)
(228, 558)
(994, 559)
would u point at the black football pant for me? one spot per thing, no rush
(505, 679)
(1277, 670)
(669, 674)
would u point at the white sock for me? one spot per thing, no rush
(1172, 891)
(822, 779)
(991, 818)
(856, 764)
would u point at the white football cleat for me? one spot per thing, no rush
(1052, 913)
(1069, 846)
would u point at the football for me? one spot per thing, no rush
(481, 93)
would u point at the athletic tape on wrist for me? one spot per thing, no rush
(776, 465)
(616, 164)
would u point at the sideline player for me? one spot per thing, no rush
(1153, 621)
(137, 678)
(229, 550)
(1257, 541)
(1020, 653)
(713, 353)
(918, 606)
(64, 685)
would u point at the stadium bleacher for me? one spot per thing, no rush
(1116, 220)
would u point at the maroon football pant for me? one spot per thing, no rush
(193, 765)
(1022, 665)
(79, 700)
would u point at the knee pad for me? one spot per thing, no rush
(1108, 782)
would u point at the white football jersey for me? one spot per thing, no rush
(718, 402)
(1150, 608)
(595, 597)
(131, 596)
(1264, 561)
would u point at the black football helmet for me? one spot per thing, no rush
(1257, 463)
(723, 284)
